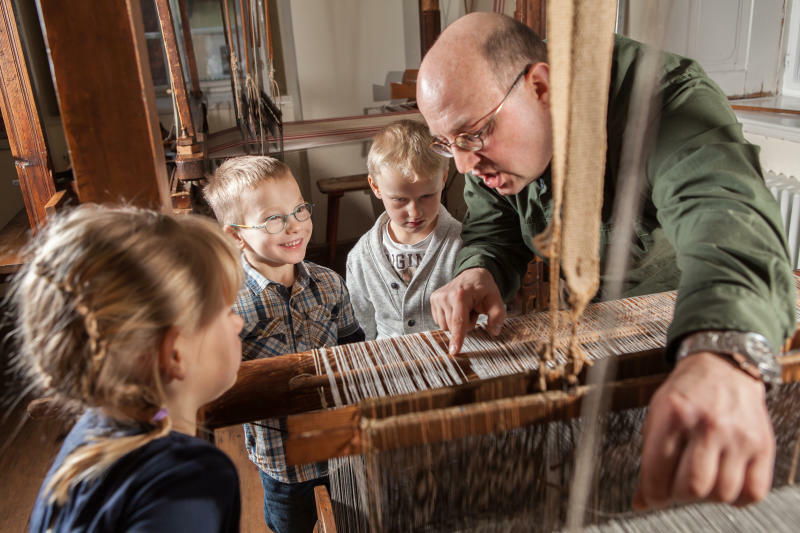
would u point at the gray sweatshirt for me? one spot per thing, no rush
(384, 305)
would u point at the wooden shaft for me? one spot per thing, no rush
(188, 45)
(21, 118)
(268, 30)
(430, 24)
(231, 50)
(262, 391)
(332, 227)
(243, 12)
(533, 13)
(175, 64)
(102, 92)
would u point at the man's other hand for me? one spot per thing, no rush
(456, 306)
(707, 436)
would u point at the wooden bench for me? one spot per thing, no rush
(335, 188)
(408, 87)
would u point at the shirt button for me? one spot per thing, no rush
(411, 323)
(394, 285)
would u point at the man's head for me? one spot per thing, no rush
(466, 75)
(408, 177)
(257, 200)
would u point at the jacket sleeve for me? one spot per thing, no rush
(362, 307)
(725, 227)
(492, 238)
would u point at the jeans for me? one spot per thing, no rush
(290, 507)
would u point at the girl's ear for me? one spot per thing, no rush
(169, 360)
(234, 232)
(374, 186)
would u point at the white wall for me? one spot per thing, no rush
(791, 75)
(346, 54)
(738, 42)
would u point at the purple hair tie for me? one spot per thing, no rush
(160, 415)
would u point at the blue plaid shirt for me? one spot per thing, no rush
(313, 313)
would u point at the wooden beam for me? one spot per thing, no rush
(487, 406)
(430, 24)
(23, 125)
(105, 93)
(533, 13)
(188, 45)
(186, 128)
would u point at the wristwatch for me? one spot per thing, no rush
(749, 351)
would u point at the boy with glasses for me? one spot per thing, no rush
(288, 305)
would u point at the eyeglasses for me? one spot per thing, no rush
(473, 142)
(277, 223)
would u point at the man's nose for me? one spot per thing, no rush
(465, 159)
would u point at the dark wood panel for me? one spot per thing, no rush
(534, 14)
(21, 117)
(106, 97)
(430, 24)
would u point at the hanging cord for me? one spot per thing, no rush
(638, 137)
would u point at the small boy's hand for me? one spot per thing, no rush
(456, 306)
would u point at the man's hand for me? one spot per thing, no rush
(456, 306)
(707, 436)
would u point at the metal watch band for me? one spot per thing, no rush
(752, 352)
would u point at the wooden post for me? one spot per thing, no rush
(430, 24)
(105, 93)
(533, 13)
(188, 45)
(21, 117)
(189, 163)
(175, 69)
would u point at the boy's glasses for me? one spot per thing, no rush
(277, 223)
(473, 142)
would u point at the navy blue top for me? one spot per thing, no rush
(175, 483)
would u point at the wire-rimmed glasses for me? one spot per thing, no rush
(473, 142)
(277, 223)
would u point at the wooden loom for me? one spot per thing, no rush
(293, 385)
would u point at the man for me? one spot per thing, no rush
(709, 228)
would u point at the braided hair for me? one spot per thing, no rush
(98, 291)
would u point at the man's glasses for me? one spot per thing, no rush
(473, 142)
(277, 223)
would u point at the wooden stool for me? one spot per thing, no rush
(335, 189)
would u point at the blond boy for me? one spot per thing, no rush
(411, 249)
(288, 305)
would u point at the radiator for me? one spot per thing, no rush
(786, 191)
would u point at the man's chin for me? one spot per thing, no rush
(502, 184)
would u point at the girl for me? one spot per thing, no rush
(125, 315)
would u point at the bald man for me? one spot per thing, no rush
(709, 228)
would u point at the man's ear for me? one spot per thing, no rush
(234, 232)
(374, 186)
(169, 359)
(538, 76)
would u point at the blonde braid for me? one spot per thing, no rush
(97, 345)
(99, 289)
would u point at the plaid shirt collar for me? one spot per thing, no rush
(257, 282)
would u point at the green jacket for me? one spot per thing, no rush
(709, 228)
